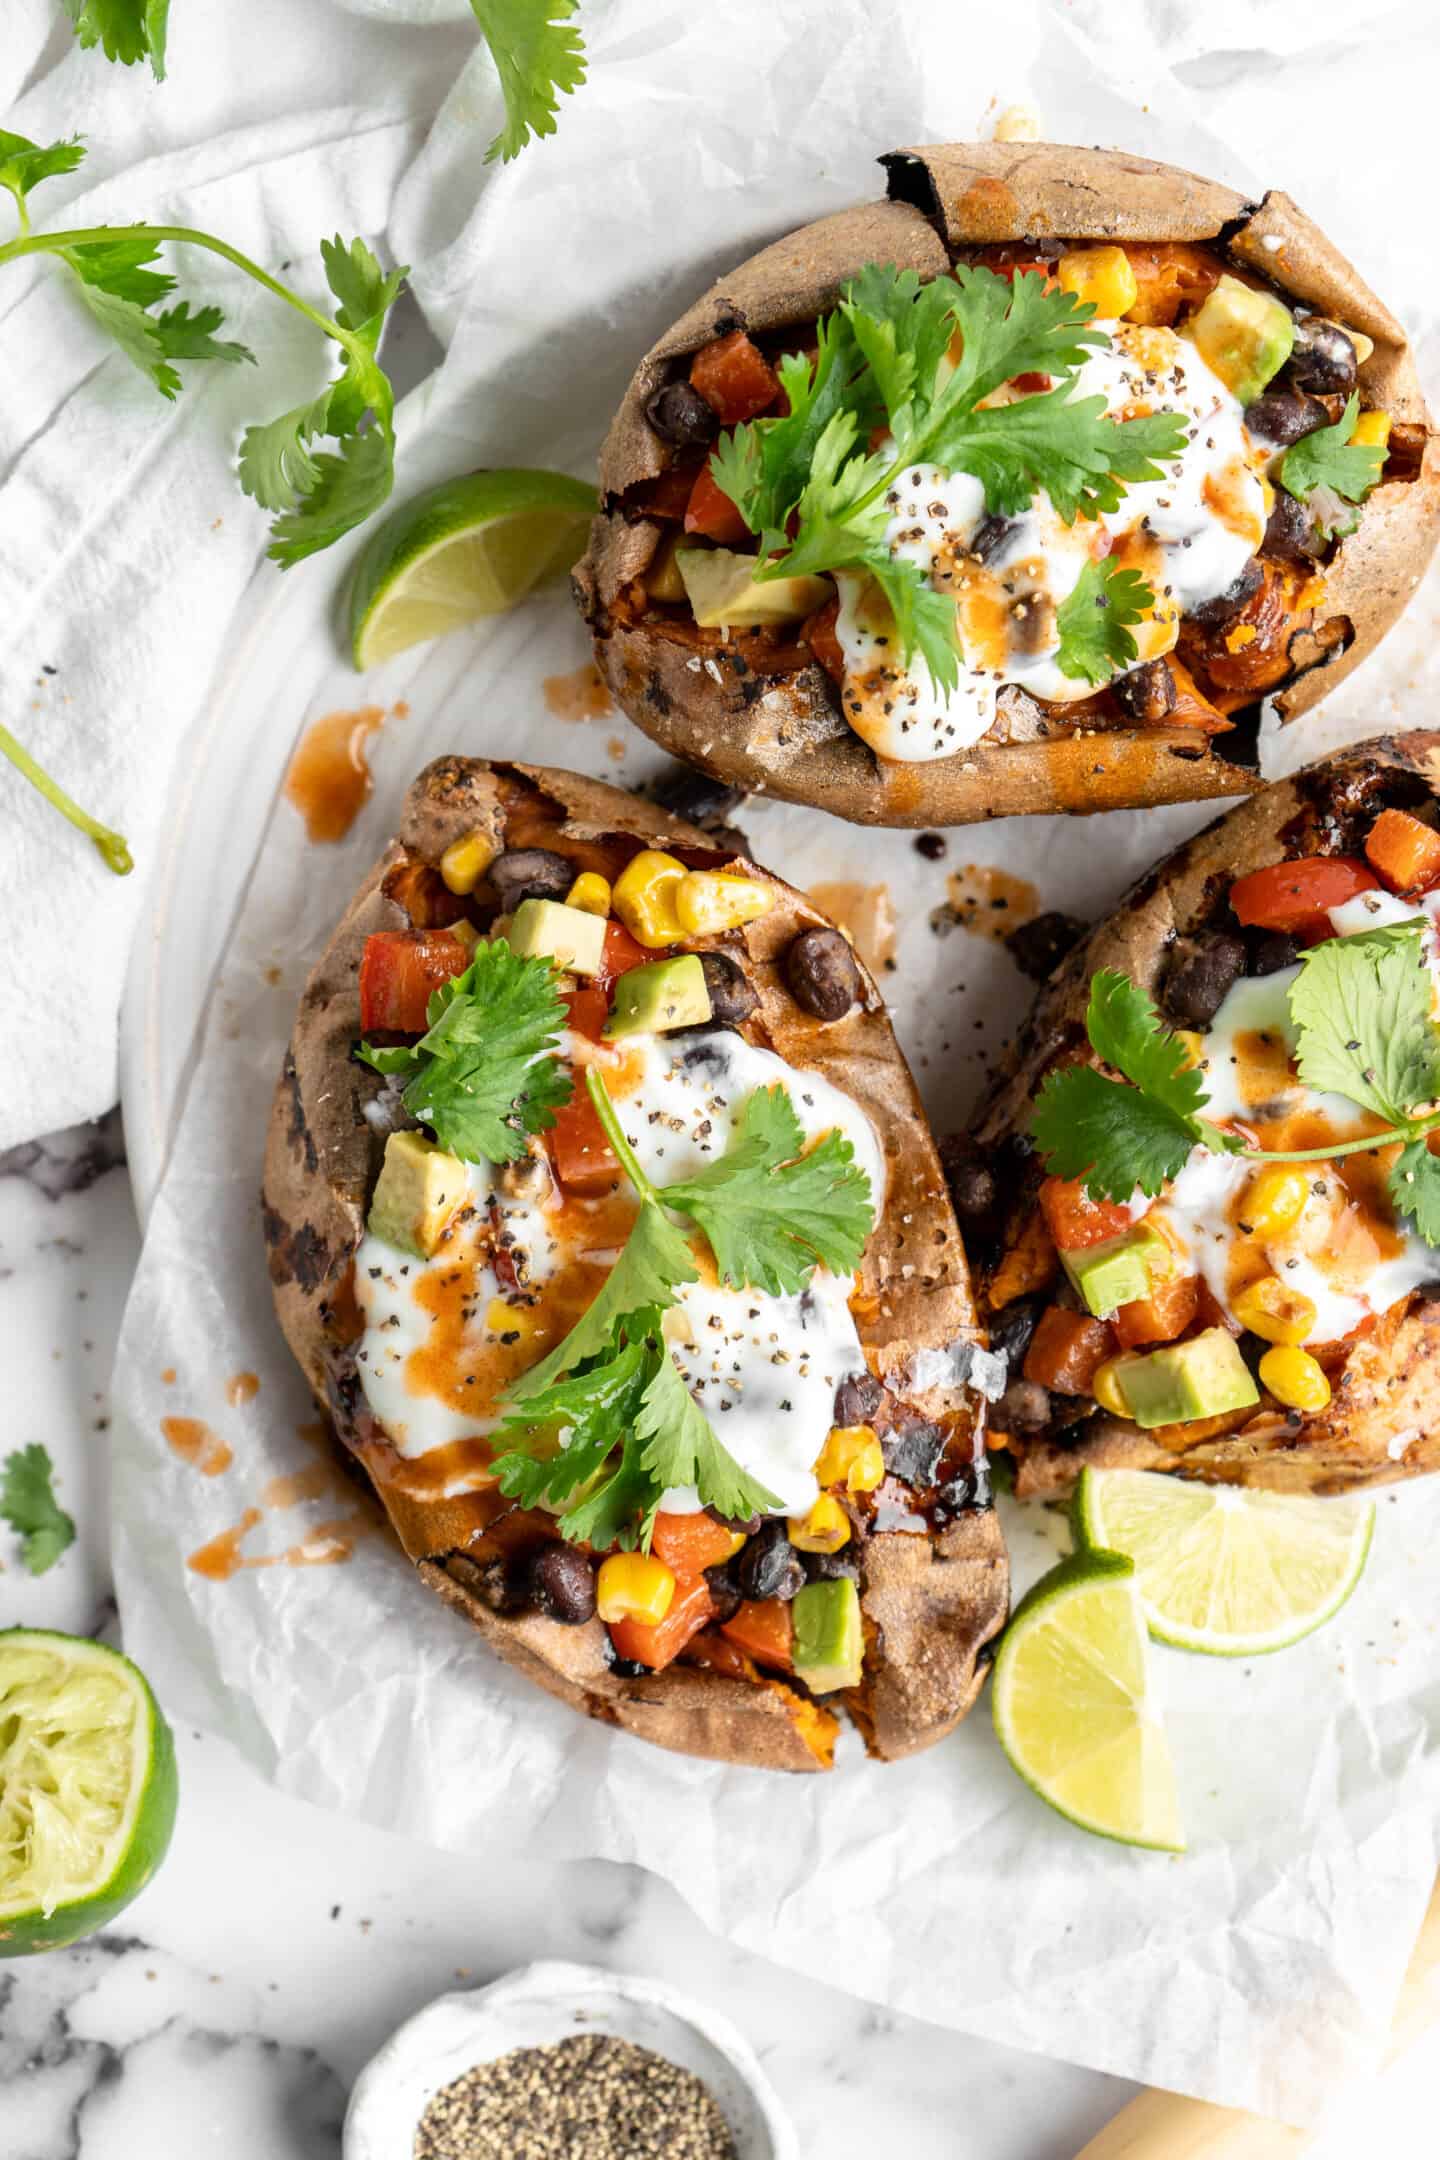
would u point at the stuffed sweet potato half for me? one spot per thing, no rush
(1204, 1194)
(1014, 493)
(606, 1226)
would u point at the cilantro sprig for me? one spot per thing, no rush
(1325, 469)
(1094, 621)
(1362, 1008)
(484, 1075)
(125, 30)
(816, 495)
(771, 1213)
(29, 1506)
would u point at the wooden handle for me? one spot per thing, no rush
(1167, 2126)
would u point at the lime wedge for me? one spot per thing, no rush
(87, 1788)
(1072, 1705)
(470, 547)
(1222, 1569)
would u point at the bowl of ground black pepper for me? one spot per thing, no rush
(556, 2062)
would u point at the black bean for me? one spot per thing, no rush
(1024, 1407)
(1323, 357)
(531, 873)
(858, 1399)
(967, 1490)
(1038, 946)
(770, 1567)
(821, 972)
(991, 535)
(933, 846)
(912, 1449)
(725, 1591)
(1147, 693)
(1267, 951)
(679, 415)
(1013, 1326)
(969, 1177)
(1214, 614)
(1197, 975)
(1283, 415)
(1291, 534)
(732, 995)
(562, 1584)
(832, 1566)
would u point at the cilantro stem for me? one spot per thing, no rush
(1412, 1130)
(56, 243)
(605, 1110)
(111, 845)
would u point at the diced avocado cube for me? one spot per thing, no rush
(548, 930)
(666, 994)
(1245, 335)
(722, 588)
(1201, 1378)
(1121, 1269)
(418, 1190)
(829, 1642)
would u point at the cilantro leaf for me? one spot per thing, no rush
(126, 30)
(537, 54)
(1414, 1184)
(28, 1504)
(1068, 446)
(191, 336)
(24, 164)
(1016, 326)
(764, 469)
(1327, 460)
(1093, 621)
(654, 1263)
(1126, 1031)
(772, 1212)
(484, 1075)
(597, 1410)
(680, 1447)
(1363, 1008)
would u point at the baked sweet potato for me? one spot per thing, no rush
(1238, 903)
(762, 706)
(925, 1544)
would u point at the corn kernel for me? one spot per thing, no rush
(644, 898)
(824, 1529)
(851, 1457)
(1192, 1044)
(1295, 1378)
(709, 900)
(590, 893)
(1274, 1312)
(1106, 1389)
(663, 581)
(466, 860)
(1372, 428)
(1275, 1200)
(634, 1586)
(1103, 275)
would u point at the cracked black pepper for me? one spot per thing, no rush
(592, 2097)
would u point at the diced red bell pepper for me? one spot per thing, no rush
(589, 1005)
(1067, 1350)
(622, 952)
(711, 512)
(819, 634)
(1405, 851)
(765, 1630)
(691, 1543)
(734, 378)
(1075, 1219)
(589, 1009)
(583, 1158)
(1162, 1317)
(1031, 384)
(1296, 897)
(398, 971)
(690, 1609)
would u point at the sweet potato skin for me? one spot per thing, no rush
(321, 1161)
(784, 733)
(1383, 1422)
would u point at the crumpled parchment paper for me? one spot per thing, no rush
(1260, 1969)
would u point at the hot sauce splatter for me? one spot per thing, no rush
(579, 696)
(241, 1387)
(197, 1445)
(868, 913)
(221, 1558)
(329, 776)
(987, 901)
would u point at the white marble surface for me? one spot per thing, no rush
(225, 2015)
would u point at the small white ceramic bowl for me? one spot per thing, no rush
(541, 2003)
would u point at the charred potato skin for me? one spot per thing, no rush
(913, 1294)
(1389, 1385)
(783, 733)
